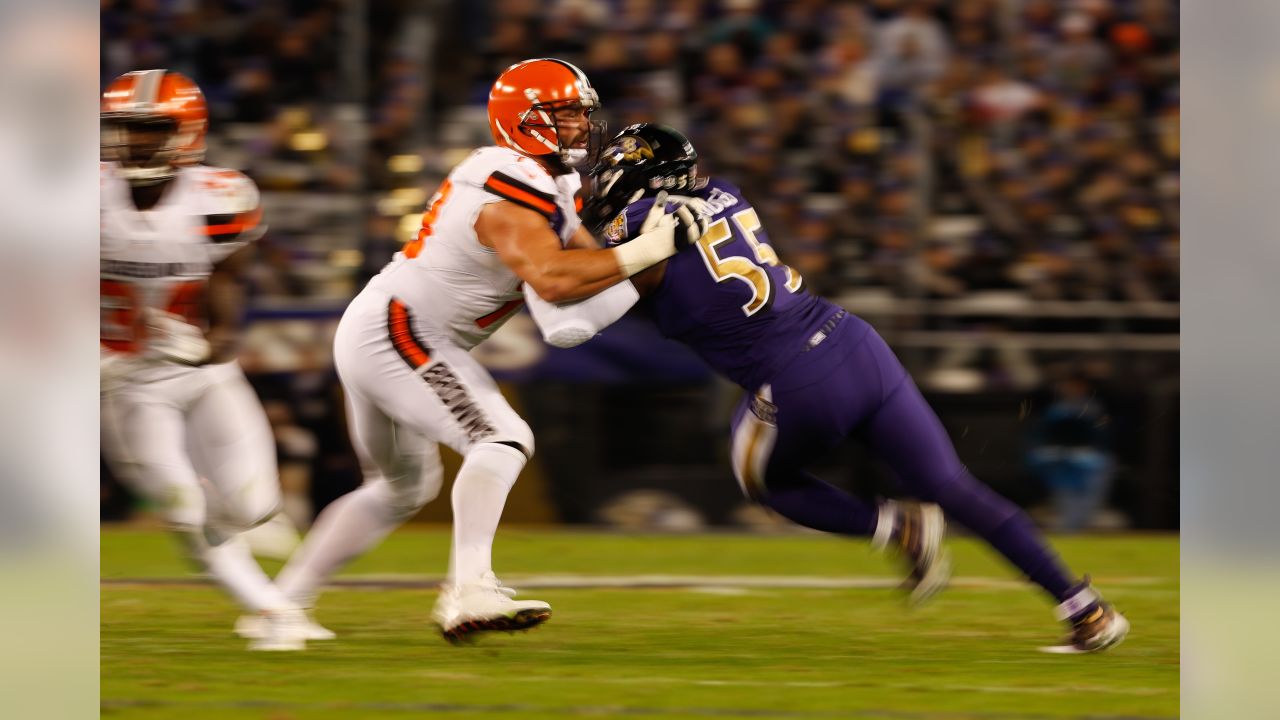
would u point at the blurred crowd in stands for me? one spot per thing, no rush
(930, 148)
(899, 150)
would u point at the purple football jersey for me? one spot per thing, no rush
(729, 297)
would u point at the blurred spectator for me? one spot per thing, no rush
(1079, 62)
(1070, 453)
(911, 50)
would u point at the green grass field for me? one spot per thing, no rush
(723, 649)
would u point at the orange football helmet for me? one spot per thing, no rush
(523, 103)
(153, 121)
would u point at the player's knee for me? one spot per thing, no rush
(409, 486)
(404, 503)
(183, 510)
(252, 507)
(515, 435)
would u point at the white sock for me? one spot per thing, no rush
(346, 529)
(885, 521)
(479, 494)
(232, 566)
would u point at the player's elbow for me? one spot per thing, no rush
(568, 336)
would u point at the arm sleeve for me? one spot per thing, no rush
(527, 187)
(572, 324)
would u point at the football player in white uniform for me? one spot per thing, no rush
(180, 423)
(505, 216)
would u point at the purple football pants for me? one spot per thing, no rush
(851, 384)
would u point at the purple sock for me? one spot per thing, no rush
(813, 503)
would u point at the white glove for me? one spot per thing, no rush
(699, 207)
(174, 339)
(656, 218)
(691, 217)
(655, 242)
(693, 225)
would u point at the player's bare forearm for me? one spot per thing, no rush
(583, 240)
(575, 274)
(524, 241)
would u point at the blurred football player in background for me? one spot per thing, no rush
(504, 217)
(814, 375)
(180, 423)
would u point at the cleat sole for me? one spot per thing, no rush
(521, 621)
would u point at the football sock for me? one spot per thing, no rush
(1080, 603)
(479, 494)
(821, 506)
(233, 567)
(347, 528)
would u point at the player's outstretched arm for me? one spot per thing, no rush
(525, 243)
(570, 324)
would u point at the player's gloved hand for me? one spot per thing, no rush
(689, 226)
(656, 218)
(176, 340)
(692, 217)
(655, 241)
(658, 223)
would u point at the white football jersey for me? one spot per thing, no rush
(161, 258)
(452, 283)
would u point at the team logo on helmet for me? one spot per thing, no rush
(634, 149)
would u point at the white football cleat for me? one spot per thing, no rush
(1095, 624)
(482, 605)
(254, 627)
(278, 630)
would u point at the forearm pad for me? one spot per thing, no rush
(574, 323)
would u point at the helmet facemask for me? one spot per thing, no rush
(541, 117)
(148, 148)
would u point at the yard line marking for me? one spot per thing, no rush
(759, 681)
(382, 581)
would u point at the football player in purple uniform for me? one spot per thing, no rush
(813, 373)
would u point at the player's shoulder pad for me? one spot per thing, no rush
(510, 176)
(230, 204)
(224, 190)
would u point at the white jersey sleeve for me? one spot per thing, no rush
(231, 208)
(454, 284)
